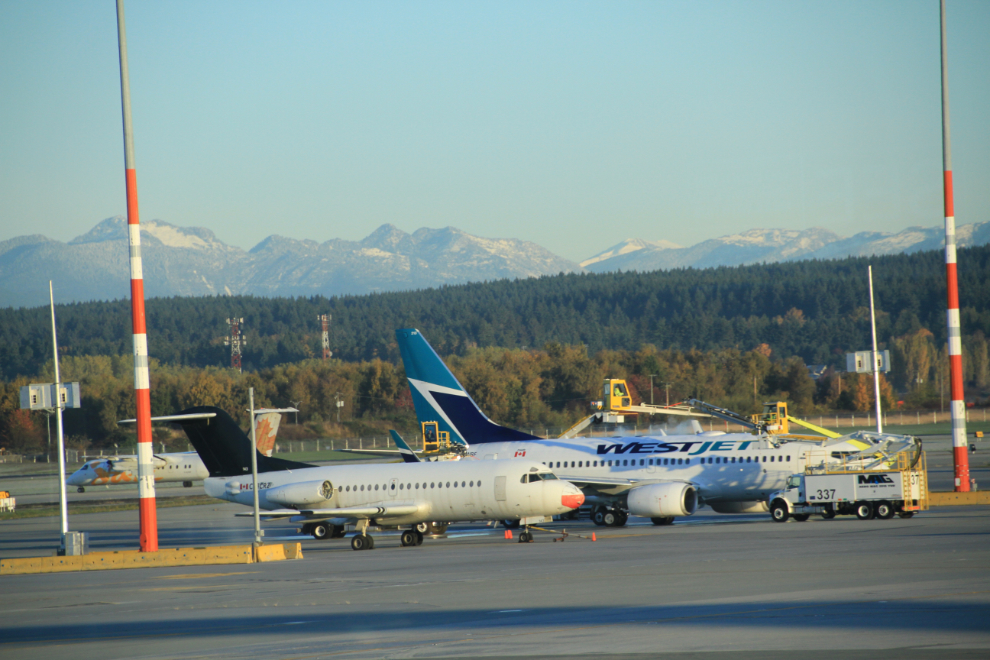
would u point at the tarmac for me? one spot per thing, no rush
(709, 586)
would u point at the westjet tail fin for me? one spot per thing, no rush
(439, 398)
(223, 446)
(405, 451)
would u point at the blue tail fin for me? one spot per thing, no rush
(405, 451)
(438, 396)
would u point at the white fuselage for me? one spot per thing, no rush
(180, 466)
(735, 467)
(440, 491)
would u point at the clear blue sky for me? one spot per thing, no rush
(573, 125)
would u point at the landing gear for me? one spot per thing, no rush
(779, 511)
(411, 537)
(828, 512)
(864, 510)
(435, 528)
(363, 542)
(663, 520)
(884, 510)
(525, 536)
(320, 531)
(80, 490)
(610, 517)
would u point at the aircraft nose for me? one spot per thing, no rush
(572, 500)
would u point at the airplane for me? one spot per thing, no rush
(659, 477)
(327, 499)
(184, 466)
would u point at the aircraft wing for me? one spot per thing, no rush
(597, 481)
(385, 510)
(392, 453)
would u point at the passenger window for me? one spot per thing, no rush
(362, 487)
(431, 484)
(472, 484)
(558, 463)
(479, 483)
(642, 461)
(625, 462)
(789, 458)
(764, 459)
(687, 461)
(393, 487)
(455, 484)
(417, 486)
(580, 463)
(463, 484)
(401, 486)
(771, 459)
(448, 484)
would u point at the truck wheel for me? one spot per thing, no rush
(828, 512)
(906, 514)
(801, 517)
(779, 512)
(864, 510)
(885, 510)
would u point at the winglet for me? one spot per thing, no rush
(408, 455)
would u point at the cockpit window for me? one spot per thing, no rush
(538, 476)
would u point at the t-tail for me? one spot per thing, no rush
(223, 446)
(405, 451)
(439, 398)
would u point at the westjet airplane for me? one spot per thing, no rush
(328, 499)
(658, 477)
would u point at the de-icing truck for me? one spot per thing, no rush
(866, 489)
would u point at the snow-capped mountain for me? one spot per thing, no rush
(186, 261)
(773, 245)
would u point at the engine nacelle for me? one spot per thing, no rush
(661, 500)
(759, 506)
(301, 494)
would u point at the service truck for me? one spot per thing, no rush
(831, 490)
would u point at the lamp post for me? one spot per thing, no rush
(295, 404)
(651, 387)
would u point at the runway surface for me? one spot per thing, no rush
(707, 587)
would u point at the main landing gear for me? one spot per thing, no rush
(363, 542)
(322, 531)
(411, 537)
(605, 517)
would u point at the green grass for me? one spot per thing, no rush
(102, 506)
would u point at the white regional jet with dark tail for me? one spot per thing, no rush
(327, 499)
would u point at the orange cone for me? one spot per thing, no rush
(508, 533)
(593, 537)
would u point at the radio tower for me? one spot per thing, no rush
(324, 320)
(235, 341)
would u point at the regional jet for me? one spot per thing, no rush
(328, 499)
(656, 476)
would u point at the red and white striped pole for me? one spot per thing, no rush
(959, 449)
(142, 381)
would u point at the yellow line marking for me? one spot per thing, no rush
(193, 576)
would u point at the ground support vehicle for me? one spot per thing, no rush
(831, 489)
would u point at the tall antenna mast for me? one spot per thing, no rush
(235, 341)
(142, 380)
(324, 320)
(958, 406)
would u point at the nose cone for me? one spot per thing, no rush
(75, 477)
(572, 498)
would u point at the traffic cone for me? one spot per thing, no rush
(508, 533)
(593, 537)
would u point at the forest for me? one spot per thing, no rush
(531, 352)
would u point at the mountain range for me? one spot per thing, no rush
(192, 261)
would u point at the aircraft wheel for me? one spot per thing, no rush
(408, 538)
(779, 512)
(828, 512)
(906, 514)
(801, 517)
(621, 518)
(885, 510)
(419, 538)
(360, 542)
(864, 510)
(525, 537)
(609, 518)
(339, 531)
(80, 490)
(371, 541)
(320, 531)
(598, 515)
(438, 528)
(663, 520)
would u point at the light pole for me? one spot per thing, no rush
(295, 404)
(651, 387)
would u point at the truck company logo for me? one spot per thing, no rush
(670, 447)
(874, 479)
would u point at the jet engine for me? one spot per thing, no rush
(759, 506)
(301, 494)
(661, 500)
